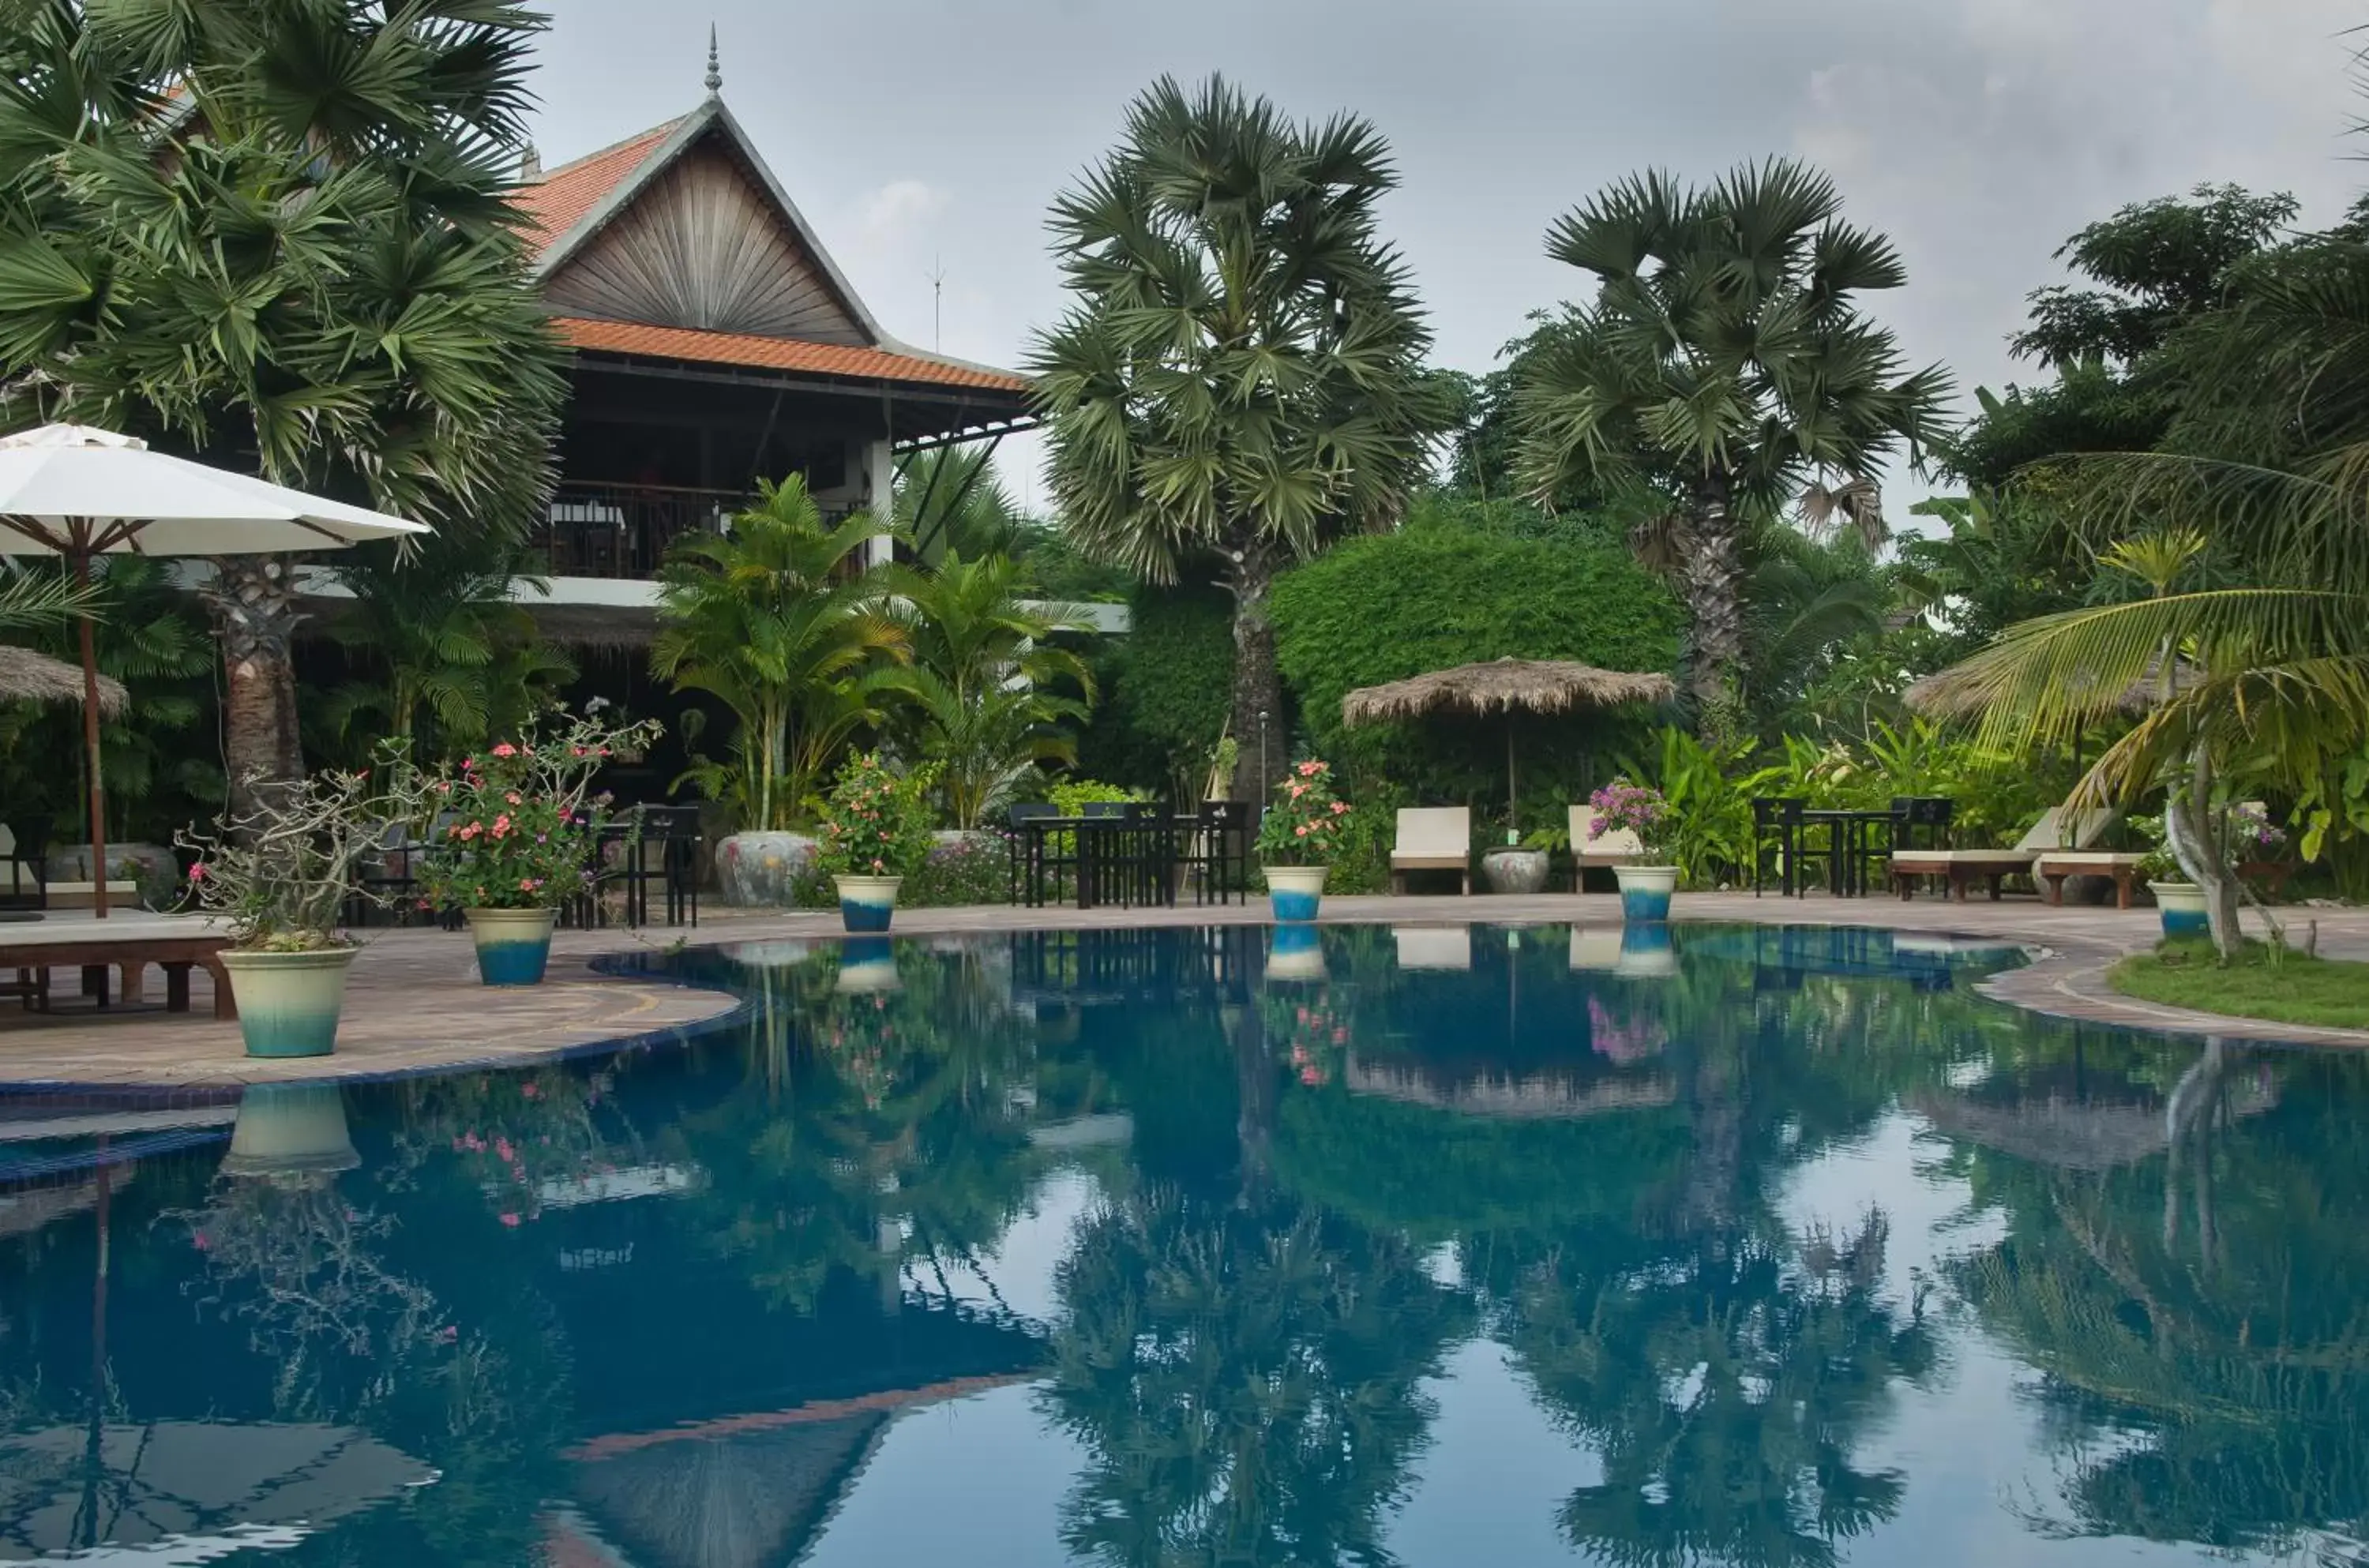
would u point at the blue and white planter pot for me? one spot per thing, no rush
(1647, 951)
(514, 945)
(2180, 905)
(1295, 891)
(288, 1002)
(1645, 891)
(868, 903)
(866, 964)
(1296, 952)
(290, 1129)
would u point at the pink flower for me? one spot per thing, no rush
(502, 1148)
(506, 749)
(198, 871)
(511, 1220)
(1339, 806)
(528, 1090)
(1301, 831)
(447, 1335)
(198, 1240)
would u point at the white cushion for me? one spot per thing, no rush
(1434, 830)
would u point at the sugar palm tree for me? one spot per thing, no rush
(780, 621)
(1722, 370)
(984, 701)
(1240, 378)
(318, 282)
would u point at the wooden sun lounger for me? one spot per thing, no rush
(2054, 867)
(1433, 838)
(1961, 868)
(1618, 847)
(88, 944)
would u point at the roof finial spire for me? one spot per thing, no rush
(715, 75)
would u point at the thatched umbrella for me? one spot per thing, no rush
(1502, 686)
(1949, 694)
(29, 677)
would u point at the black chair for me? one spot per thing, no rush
(25, 870)
(1218, 857)
(661, 844)
(1780, 823)
(1028, 850)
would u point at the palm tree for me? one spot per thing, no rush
(319, 283)
(1723, 370)
(1240, 378)
(982, 703)
(441, 639)
(2261, 495)
(946, 500)
(780, 621)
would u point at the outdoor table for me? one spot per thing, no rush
(1123, 857)
(1847, 834)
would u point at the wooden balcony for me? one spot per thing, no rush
(624, 531)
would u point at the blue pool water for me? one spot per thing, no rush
(1432, 1247)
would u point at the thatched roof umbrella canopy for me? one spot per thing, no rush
(29, 677)
(1505, 686)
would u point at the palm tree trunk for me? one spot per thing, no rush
(2188, 828)
(1258, 688)
(1711, 571)
(253, 601)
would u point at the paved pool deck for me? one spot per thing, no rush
(414, 1003)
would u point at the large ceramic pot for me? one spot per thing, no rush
(2180, 906)
(514, 945)
(1295, 891)
(760, 871)
(868, 903)
(1645, 891)
(288, 1002)
(1515, 870)
(287, 1130)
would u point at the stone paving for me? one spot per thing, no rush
(415, 1004)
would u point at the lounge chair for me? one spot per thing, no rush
(1594, 947)
(1433, 947)
(1618, 847)
(2051, 869)
(2056, 832)
(1433, 838)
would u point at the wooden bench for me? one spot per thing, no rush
(89, 946)
(1959, 868)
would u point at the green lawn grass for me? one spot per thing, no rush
(2329, 994)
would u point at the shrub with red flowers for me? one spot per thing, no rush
(876, 823)
(1639, 809)
(1308, 1034)
(1305, 824)
(513, 827)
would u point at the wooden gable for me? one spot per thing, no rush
(703, 246)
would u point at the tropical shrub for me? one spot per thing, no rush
(975, 868)
(1165, 690)
(876, 823)
(1071, 796)
(1305, 824)
(1436, 595)
(279, 874)
(1707, 793)
(514, 828)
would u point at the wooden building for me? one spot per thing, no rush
(715, 343)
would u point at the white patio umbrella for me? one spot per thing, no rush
(76, 492)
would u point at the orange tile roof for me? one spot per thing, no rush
(776, 354)
(563, 195)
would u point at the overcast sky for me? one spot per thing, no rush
(922, 135)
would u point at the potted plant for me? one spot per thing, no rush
(1296, 839)
(874, 832)
(512, 837)
(1639, 809)
(281, 878)
(2179, 903)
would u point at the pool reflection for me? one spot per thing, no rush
(1230, 1245)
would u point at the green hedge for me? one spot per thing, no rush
(1435, 595)
(1166, 686)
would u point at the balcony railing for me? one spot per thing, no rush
(624, 530)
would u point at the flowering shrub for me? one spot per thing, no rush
(1641, 810)
(1306, 822)
(875, 824)
(514, 828)
(1310, 1036)
(2253, 835)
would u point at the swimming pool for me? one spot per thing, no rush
(1433, 1245)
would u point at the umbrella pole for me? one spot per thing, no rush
(1512, 825)
(90, 744)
